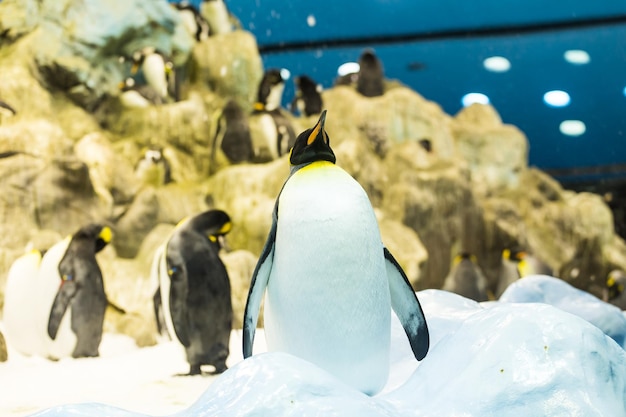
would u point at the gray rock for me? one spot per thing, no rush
(4, 355)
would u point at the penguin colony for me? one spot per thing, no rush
(323, 255)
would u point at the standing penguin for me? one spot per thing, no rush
(330, 281)
(272, 132)
(153, 168)
(232, 135)
(466, 278)
(59, 307)
(195, 24)
(133, 95)
(370, 81)
(156, 69)
(308, 99)
(194, 290)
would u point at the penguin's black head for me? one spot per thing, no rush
(368, 59)
(306, 84)
(214, 224)
(271, 79)
(312, 145)
(97, 233)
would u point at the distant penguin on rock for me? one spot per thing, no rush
(193, 296)
(370, 81)
(217, 15)
(55, 302)
(615, 292)
(156, 69)
(195, 24)
(518, 263)
(466, 278)
(153, 168)
(272, 132)
(133, 95)
(329, 281)
(232, 135)
(308, 98)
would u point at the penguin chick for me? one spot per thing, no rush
(233, 135)
(324, 263)
(195, 24)
(157, 69)
(615, 292)
(138, 96)
(466, 278)
(153, 168)
(194, 289)
(308, 98)
(370, 81)
(272, 132)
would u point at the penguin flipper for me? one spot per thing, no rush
(61, 302)
(178, 305)
(258, 284)
(407, 307)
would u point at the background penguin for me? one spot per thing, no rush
(194, 22)
(153, 168)
(194, 290)
(308, 98)
(58, 308)
(157, 70)
(217, 15)
(232, 135)
(330, 281)
(370, 82)
(272, 132)
(518, 263)
(6, 111)
(615, 292)
(466, 278)
(133, 95)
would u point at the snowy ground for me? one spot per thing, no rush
(505, 359)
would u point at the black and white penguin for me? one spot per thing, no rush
(329, 281)
(232, 135)
(157, 70)
(466, 278)
(616, 288)
(153, 168)
(308, 97)
(518, 263)
(194, 22)
(272, 132)
(55, 302)
(370, 81)
(133, 95)
(217, 15)
(6, 111)
(194, 290)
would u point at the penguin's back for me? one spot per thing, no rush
(328, 293)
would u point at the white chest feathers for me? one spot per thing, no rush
(328, 295)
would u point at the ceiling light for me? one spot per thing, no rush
(577, 57)
(556, 98)
(497, 64)
(572, 127)
(348, 68)
(472, 98)
(285, 73)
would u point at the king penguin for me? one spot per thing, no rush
(466, 278)
(156, 69)
(370, 81)
(195, 24)
(616, 288)
(153, 168)
(193, 295)
(308, 98)
(55, 303)
(272, 132)
(329, 281)
(232, 135)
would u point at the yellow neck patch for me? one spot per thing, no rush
(225, 229)
(258, 106)
(316, 165)
(105, 234)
